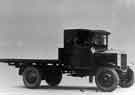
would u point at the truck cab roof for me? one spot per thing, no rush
(103, 32)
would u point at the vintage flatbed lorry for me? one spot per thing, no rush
(85, 53)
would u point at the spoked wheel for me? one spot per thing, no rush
(107, 79)
(31, 77)
(53, 78)
(127, 79)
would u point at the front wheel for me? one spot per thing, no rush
(127, 79)
(107, 79)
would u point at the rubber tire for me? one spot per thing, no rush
(37, 83)
(53, 78)
(114, 74)
(130, 82)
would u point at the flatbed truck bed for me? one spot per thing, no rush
(19, 62)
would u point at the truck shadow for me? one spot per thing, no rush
(69, 88)
(81, 88)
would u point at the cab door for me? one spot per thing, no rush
(76, 58)
(82, 58)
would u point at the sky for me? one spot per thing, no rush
(29, 28)
(34, 28)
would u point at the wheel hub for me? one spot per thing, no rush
(106, 80)
(31, 77)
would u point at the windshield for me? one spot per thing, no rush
(100, 41)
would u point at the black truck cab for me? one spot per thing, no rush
(81, 46)
(90, 46)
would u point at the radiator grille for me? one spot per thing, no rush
(123, 61)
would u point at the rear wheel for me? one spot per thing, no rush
(107, 79)
(31, 77)
(127, 79)
(53, 78)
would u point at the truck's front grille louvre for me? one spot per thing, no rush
(123, 61)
